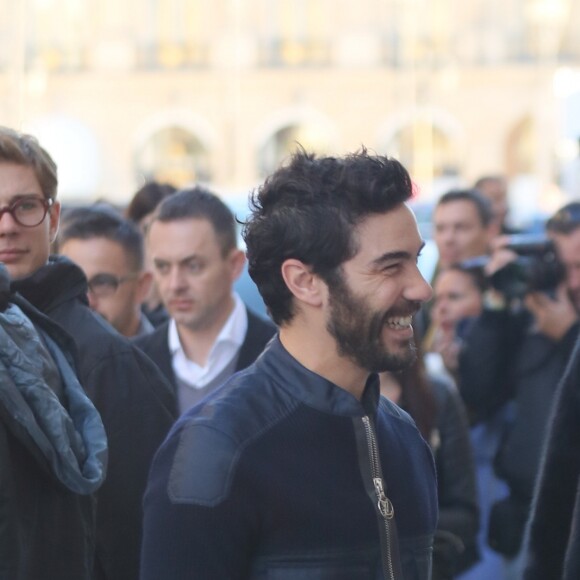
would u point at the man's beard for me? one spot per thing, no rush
(358, 330)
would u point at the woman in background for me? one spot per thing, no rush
(438, 412)
(458, 300)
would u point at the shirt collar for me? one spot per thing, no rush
(233, 331)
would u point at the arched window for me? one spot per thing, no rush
(286, 141)
(173, 155)
(521, 148)
(425, 150)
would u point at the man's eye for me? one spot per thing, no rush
(194, 267)
(26, 205)
(390, 268)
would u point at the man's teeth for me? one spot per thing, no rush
(400, 322)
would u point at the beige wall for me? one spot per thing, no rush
(233, 103)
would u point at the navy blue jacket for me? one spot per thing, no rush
(270, 477)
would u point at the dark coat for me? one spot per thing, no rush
(458, 524)
(553, 546)
(503, 359)
(156, 346)
(132, 397)
(275, 475)
(52, 455)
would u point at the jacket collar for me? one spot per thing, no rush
(59, 281)
(313, 389)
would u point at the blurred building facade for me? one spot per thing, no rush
(220, 92)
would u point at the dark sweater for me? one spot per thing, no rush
(270, 478)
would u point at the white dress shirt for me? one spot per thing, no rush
(224, 349)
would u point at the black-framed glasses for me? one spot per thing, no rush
(28, 211)
(103, 285)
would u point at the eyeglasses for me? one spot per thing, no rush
(565, 220)
(28, 211)
(105, 285)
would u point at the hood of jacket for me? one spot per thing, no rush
(55, 283)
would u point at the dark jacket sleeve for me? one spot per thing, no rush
(458, 504)
(8, 537)
(188, 533)
(134, 436)
(156, 346)
(485, 361)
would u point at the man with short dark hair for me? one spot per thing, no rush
(211, 334)
(495, 189)
(564, 229)
(296, 467)
(463, 226)
(125, 386)
(553, 547)
(519, 354)
(109, 250)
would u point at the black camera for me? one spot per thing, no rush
(536, 269)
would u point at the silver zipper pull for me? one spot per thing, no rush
(384, 504)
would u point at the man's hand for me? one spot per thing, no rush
(500, 256)
(448, 346)
(554, 316)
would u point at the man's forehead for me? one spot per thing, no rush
(457, 210)
(568, 245)
(18, 179)
(393, 232)
(183, 240)
(96, 248)
(190, 225)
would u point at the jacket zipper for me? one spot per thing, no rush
(384, 504)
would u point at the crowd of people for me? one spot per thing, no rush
(376, 425)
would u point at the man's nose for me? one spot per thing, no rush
(93, 300)
(573, 279)
(176, 279)
(7, 223)
(447, 236)
(419, 290)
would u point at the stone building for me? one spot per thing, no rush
(221, 91)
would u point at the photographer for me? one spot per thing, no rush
(553, 540)
(517, 351)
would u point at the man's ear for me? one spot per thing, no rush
(305, 286)
(54, 219)
(237, 259)
(144, 283)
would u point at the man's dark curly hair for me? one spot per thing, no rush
(309, 210)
